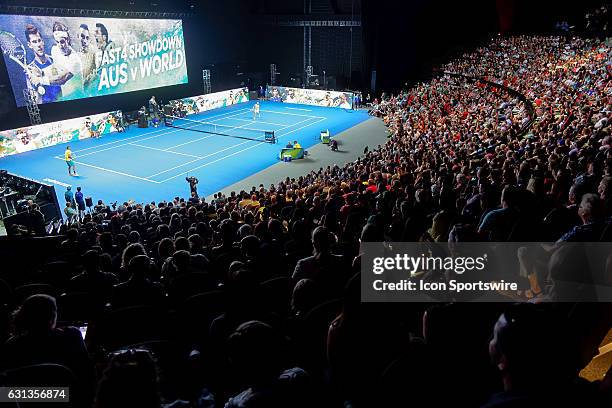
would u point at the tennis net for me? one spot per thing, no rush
(240, 132)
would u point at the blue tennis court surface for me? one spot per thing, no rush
(151, 164)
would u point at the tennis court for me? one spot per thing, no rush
(214, 146)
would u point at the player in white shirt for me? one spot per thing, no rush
(67, 59)
(256, 111)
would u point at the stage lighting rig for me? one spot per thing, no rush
(56, 11)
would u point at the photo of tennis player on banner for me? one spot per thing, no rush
(316, 97)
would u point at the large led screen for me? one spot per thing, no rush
(66, 58)
(49, 134)
(203, 103)
(317, 97)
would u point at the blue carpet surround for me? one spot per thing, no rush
(151, 164)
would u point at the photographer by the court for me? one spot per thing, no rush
(153, 106)
(193, 185)
(101, 208)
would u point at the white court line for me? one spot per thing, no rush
(127, 144)
(257, 121)
(192, 161)
(237, 152)
(294, 114)
(293, 124)
(218, 151)
(162, 150)
(300, 109)
(113, 171)
(191, 141)
(233, 113)
(230, 127)
(124, 144)
(208, 137)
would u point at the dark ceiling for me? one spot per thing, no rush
(203, 6)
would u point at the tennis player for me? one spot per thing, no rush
(69, 157)
(256, 111)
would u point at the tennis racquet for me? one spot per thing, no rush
(14, 49)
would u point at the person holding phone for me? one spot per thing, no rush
(36, 339)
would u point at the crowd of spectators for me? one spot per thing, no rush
(253, 299)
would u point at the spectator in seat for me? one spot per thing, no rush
(100, 207)
(139, 289)
(130, 380)
(105, 241)
(244, 231)
(257, 353)
(179, 264)
(327, 270)
(498, 225)
(165, 249)
(134, 237)
(527, 333)
(93, 280)
(222, 255)
(130, 251)
(37, 340)
(303, 298)
(194, 199)
(571, 276)
(243, 302)
(605, 193)
(299, 246)
(352, 371)
(71, 243)
(250, 248)
(591, 211)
